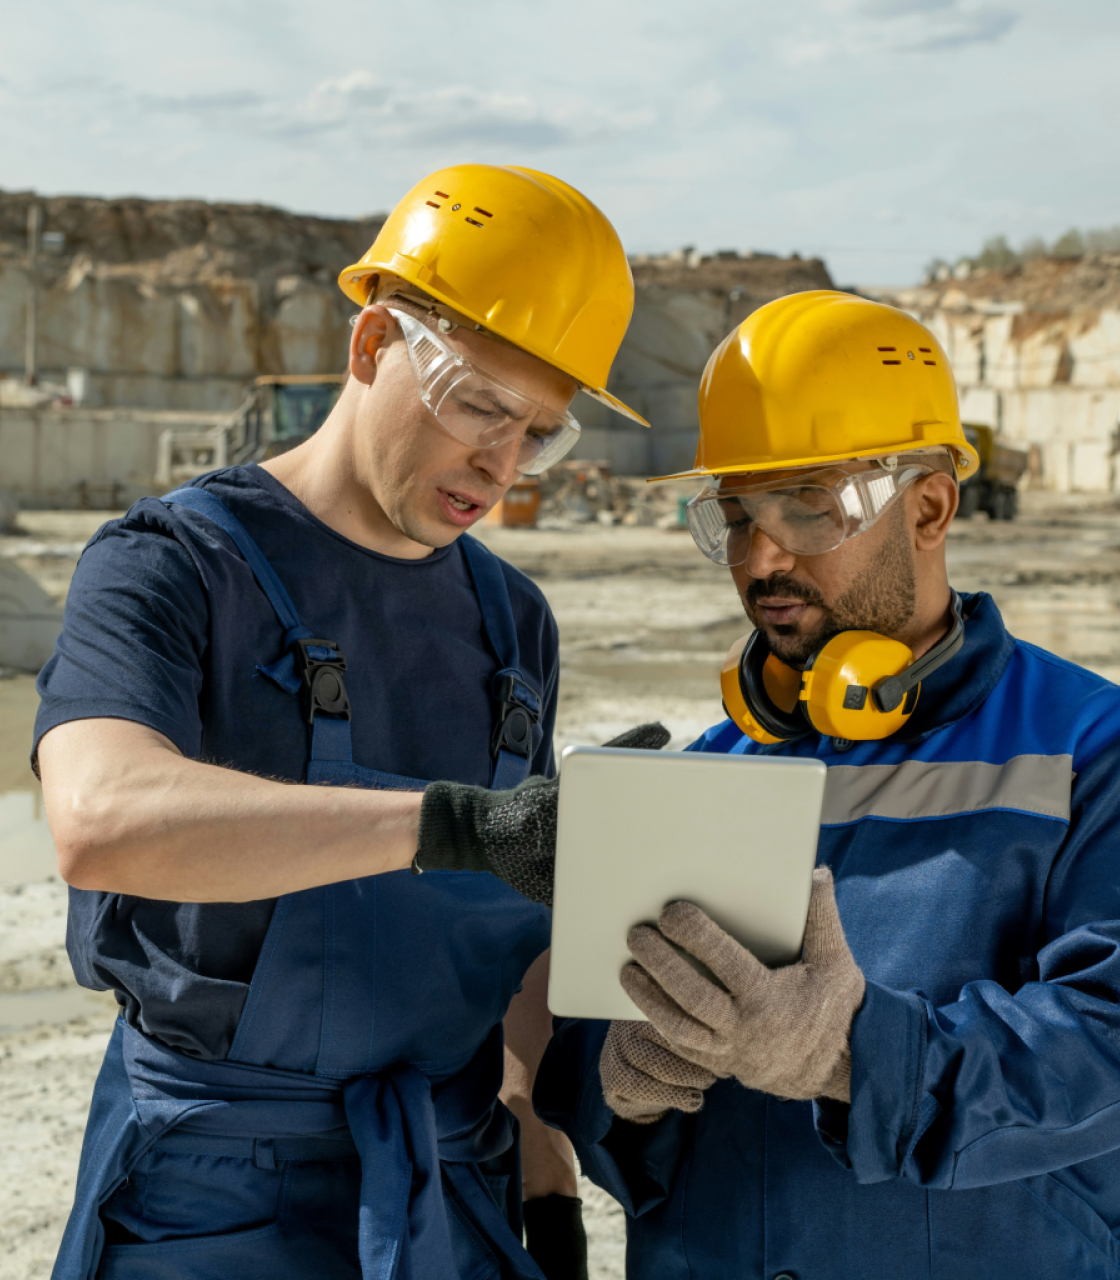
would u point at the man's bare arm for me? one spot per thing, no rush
(131, 814)
(548, 1163)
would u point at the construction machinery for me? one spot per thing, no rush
(280, 411)
(995, 488)
(285, 409)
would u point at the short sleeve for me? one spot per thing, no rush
(134, 634)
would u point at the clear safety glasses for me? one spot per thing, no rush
(479, 409)
(808, 517)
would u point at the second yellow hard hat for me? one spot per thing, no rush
(822, 377)
(520, 253)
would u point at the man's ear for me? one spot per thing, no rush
(936, 499)
(371, 329)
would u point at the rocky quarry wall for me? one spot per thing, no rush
(176, 306)
(1036, 352)
(172, 308)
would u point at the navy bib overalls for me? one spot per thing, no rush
(354, 1128)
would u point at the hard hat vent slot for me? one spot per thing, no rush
(474, 222)
(887, 348)
(892, 361)
(434, 205)
(443, 195)
(932, 362)
(483, 212)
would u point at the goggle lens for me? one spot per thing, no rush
(480, 410)
(806, 519)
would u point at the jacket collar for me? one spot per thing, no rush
(961, 685)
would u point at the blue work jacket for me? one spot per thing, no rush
(977, 864)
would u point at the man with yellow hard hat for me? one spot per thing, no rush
(934, 1089)
(304, 1078)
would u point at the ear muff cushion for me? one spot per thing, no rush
(784, 725)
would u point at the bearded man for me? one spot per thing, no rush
(934, 1089)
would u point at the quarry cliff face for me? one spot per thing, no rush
(178, 304)
(1035, 348)
(190, 241)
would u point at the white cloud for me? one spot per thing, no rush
(896, 8)
(359, 103)
(717, 124)
(981, 26)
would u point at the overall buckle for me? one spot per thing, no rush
(323, 686)
(514, 730)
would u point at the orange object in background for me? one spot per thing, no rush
(520, 506)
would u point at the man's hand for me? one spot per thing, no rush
(555, 1238)
(511, 833)
(784, 1031)
(643, 1078)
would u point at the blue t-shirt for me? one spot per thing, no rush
(166, 626)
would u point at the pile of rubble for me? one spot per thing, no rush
(758, 275)
(578, 492)
(183, 241)
(1082, 286)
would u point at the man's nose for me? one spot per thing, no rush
(765, 557)
(499, 462)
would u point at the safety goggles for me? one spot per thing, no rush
(479, 409)
(808, 517)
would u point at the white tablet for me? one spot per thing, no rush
(737, 835)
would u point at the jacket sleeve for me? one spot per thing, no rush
(635, 1163)
(1000, 1086)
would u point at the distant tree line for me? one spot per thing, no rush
(997, 254)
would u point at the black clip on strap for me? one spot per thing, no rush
(323, 686)
(520, 710)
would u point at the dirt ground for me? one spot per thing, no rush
(644, 623)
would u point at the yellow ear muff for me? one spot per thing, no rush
(860, 686)
(781, 684)
(836, 691)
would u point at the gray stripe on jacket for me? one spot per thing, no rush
(938, 789)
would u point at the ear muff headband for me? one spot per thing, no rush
(889, 693)
(783, 725)
(847, 689)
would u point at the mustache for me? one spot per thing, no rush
(782, 585)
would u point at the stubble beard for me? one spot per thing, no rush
(882, 599)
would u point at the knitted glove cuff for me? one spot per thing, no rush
(838, 1086)
(451, 817)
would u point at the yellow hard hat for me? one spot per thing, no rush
(822, 377)
(518, 252)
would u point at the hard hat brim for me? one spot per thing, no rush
(965, 456)
(613, 402)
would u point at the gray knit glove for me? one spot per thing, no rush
(785, 1031)
(643, 1078)
(510, 833)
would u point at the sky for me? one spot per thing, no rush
(878, 134)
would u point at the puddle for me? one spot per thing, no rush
(35, 1008)
(26, 847)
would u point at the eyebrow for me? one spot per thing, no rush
(489, 394)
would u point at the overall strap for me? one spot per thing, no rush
(518, 704)
(308, 666)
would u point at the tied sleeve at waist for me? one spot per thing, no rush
(409, 1134)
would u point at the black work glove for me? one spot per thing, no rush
(555, 1238)
(511, 833)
